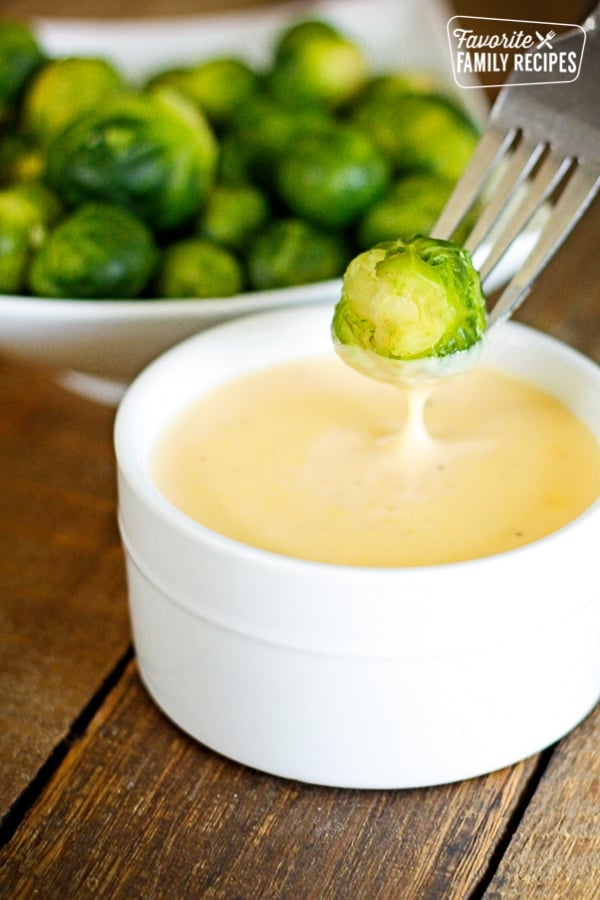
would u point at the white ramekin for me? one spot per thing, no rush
(345, 676)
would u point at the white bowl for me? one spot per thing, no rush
(346, 676)
(115, 339)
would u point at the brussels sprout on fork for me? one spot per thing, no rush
(410, 310)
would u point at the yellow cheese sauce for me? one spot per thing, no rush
(312, 460)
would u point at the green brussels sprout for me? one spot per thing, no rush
(411, 206)
(332, 176)
(314, 63)
(65, 89)
(264, 130)
(233, 214)
(195, 267)
(218, 86)
(100, 251)
(419, 131)
(153, 154)
(291, 251)
(20, 56)
(405, 302)
(394, 84)
(27, 211)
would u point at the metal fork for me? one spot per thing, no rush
(546, 139)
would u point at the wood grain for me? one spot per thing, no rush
(556, 849)
(63, 616)
(137, 807)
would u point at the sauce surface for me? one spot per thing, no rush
(312, 460)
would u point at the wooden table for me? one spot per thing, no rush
(101, 795)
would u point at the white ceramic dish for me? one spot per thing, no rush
(345, 676)
(116, 339)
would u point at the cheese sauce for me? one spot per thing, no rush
(312, 460)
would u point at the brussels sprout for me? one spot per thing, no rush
(20, 56)
(291, 251)
(195, 267)
(405, 302)
(314, 63)
(394, 84)
(65, 89)
(332, 176)
(100, 251)
(410, 207)
(153, 154)
(26, 212)
(218, 86)
(264, 130)
(419, 131)
(233, 214)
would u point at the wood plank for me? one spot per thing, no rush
(63, 615)
(137, 807)
(556, 850)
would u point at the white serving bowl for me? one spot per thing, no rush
(349, 676)
(115, 339)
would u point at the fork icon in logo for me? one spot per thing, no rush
(545, 41)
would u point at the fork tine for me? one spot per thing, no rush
(492, 146)
(522, 161)
(576, 197)
(542, 184)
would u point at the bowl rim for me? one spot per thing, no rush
(131, 467)
(245, 302)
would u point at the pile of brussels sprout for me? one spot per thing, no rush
(215, 178)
